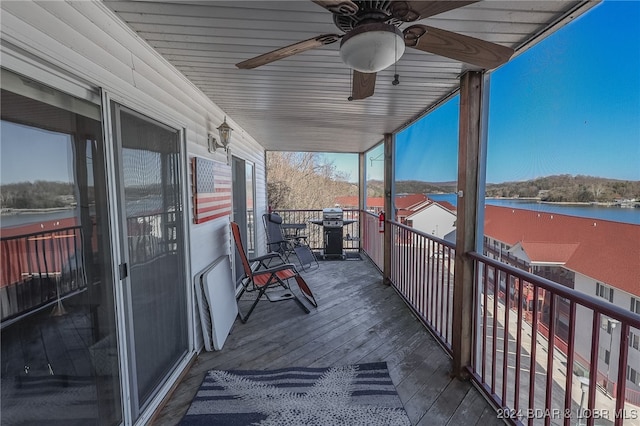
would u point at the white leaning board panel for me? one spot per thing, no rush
(217, 307)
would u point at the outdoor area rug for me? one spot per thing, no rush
(361, 394)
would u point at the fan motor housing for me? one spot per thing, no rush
(368, 12)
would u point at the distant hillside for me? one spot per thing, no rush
(302, 180)
(558, 188)
(37, 195)
(567, 188)
(415, 186)
(376, 187)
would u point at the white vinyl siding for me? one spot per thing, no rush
(66, 43)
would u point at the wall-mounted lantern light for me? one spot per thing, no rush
(224, 130)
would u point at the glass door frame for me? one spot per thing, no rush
(239, 190)
(78, 87)
(70, 90)
(132, 413)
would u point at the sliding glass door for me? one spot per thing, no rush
(59, 361)
(149, 167)
(70, 301)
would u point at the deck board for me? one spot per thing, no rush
(471, 407)
(359, 319)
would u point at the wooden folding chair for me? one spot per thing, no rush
(266, 277)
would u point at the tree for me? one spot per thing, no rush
(301, 180)
(37, 195)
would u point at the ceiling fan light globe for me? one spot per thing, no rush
(370, 48)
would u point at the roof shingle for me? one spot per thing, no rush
(604, 250)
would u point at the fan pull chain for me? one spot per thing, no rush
(350, 98)
(395, 81)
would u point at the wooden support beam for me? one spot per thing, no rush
(469, 175)
(389, 207)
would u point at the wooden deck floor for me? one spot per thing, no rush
(359, 319)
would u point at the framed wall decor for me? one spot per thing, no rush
(211, 187)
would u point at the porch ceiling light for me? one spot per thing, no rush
(224, 130)
(373, 47)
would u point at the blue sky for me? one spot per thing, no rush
(572, 102)
(18, 163)
(569, 105)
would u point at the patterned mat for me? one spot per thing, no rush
(360, 394)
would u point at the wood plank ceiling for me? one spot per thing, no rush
(300, 103)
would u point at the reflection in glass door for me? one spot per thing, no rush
(153, 274)
(59, 361)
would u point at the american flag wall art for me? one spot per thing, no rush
(211, 184)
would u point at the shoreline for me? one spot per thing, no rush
(579, 203)
(16, 212)
(634, 204)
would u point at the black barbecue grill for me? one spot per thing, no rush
(332, 229)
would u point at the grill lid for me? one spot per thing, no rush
(332, 217)
(332, 213)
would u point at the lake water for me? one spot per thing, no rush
(11, 220)
(614, 214)
(138, 207)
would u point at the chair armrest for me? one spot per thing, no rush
(265, 261)
(277, 268)
(265, 257)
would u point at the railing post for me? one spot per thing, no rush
(362, 180)
(469, 152)
(389, 208)
(362, 196)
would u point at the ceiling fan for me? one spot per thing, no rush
(373, 40)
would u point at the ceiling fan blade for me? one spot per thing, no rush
(456, 46)
(409, 11)
(339, 7)
(290, 50)
(363, 85)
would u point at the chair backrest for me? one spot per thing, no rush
(235, 230)
(274, 217)
(275, 237)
